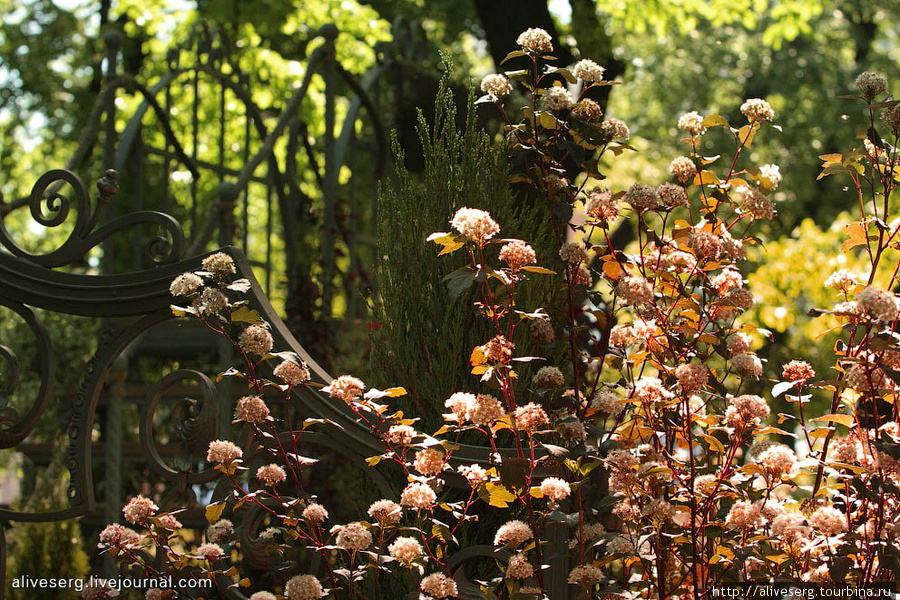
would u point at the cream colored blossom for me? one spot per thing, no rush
(402, 435)
(517, 254)
(291, 373)
(682, 168)
(474, 474)
(496, 84)
(608, 403)
(649, 389)
(557, 98)
(871, 84)
(352, 536)
(117, 535)
(513, 533)
(634, 290)
(671, 195)
(747, 364)
(251, 409)
(223, 451)
(585, 576)
(271, 475)
(405, 550)
(519, 567)
(418, 495)
(587, 70)
(555, 489)
(601, 206)
(535, 41)
(185, 284)
(692, 377)
(220, 531)
(691, 122)
(303, 587)
(346, 388)
(642, 197)
(477, 225)
(485, 410)
(746, 410)
(256, 340)
(828, 520)
(778, 460)
(429, 462)
(756, 109)
(438, 585)
(530, 417)
(220, 265)
(210, 552)
(386, 512)
(615, 129)
(549, 377)
(744, 515)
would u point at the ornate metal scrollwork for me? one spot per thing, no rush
(15, 427)
(51, 209)
(196, 431)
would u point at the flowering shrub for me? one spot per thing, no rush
(653, 446)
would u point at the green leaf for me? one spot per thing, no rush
(245, 315)
(512, 55)
(460, 280)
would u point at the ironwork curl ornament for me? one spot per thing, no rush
(15, 427)
(51, 209)
(196, 431)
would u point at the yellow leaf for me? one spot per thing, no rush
(395, 392)
(857, 232)
(745, 134)
(819, 432)
(845, 420)
(706, 177)
(214, 511)
(498, 495)
(541, 270)
(613, 269)
(478, 356)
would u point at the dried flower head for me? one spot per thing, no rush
(797, 370)
(541, 330)
(251, 409)
(671, 195)
(879, 304)
(588, 110)
(891, 118)
(585, 576)
(727, 280)
(582, 277)
(292, 373)
(220, 265)
(498, 350)
(790, 527)
(865, 378)
(706, 245)
(621, 544)
(438, 585)
(841, 280)
(535, 41)
(634, 290)
(513, 533)
(303, 587)
(386, 512)
(692, 377)
(615, 129)
(642, 197)
(271, 475)
(139, 509)
(682, 168)
(346, 388)
(210, 552)
(519, 567)
(517, 254)
(691, 122)
(477, 225)
(757, 109)
(571, 430)
(220, 531)
(587, 70)
(608, 403)
(549, 377)
(256, 340)
(405, 550)
(418, 495)
(871, 84)
(601, 206)
(746, 410)
(530, 417)
(747, 364)
(573, 253)
(496, 85)
(210, 301)
(185, 284)
(757, 205)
